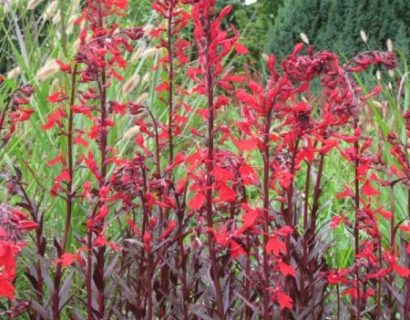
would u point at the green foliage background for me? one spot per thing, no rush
(336, 24)
(272, 25)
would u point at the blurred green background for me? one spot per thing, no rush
(275, 25)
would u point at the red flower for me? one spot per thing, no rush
(197, 201)
(57, 97)
(275, 246)
(284, 301)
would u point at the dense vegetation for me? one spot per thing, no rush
(336, 25)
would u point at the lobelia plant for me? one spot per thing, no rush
(95, 64)
(227, 223)
(177, 18)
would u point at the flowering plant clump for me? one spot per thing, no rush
(208, 197)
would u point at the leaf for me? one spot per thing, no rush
(197, 201)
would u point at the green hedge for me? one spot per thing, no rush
(336, 24)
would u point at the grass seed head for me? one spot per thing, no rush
(363, 36)
(14, 73)
(49, 69)
(50, 10)
(32, 4)
(304, 37)
(389, 44)
(131, 84)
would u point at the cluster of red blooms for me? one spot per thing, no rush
(15, 111)
(230, 226)
(13, 225)
(13, 222)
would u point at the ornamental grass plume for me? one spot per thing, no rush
(50, 68)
